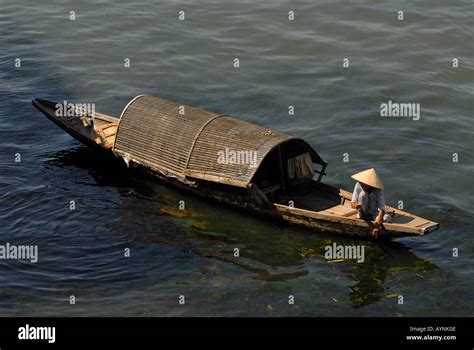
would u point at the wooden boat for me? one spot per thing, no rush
(181, 146)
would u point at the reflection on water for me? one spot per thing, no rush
(383, 261)
(271, 252)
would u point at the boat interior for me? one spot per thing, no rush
(304, 190)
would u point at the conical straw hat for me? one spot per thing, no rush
(369, 177)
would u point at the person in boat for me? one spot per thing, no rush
(369, 200)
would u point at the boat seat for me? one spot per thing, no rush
(341, 210)
(106, 133)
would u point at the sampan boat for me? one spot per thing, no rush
(228, 160)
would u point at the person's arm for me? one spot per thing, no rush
(355, 196)
(380, 207)
(379, 218)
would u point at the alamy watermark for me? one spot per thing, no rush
(37, 333)
(68, 109)
(345, 252)
(19, 252)
(395, 109)
(229, 157)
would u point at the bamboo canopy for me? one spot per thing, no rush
(184, 142)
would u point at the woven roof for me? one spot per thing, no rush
(185, 142)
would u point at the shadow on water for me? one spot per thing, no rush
(269, 251)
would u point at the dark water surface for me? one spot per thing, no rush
(282, 63)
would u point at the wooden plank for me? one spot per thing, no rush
(110, 131)
(344, 220)
(350, 213)
(343, 210)
(216, 178)
(105, 117)
(259, 197)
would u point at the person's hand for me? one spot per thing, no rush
(358, 206)
(376, 231)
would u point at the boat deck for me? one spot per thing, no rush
(104, 126)
(325, 201)
(314, 198)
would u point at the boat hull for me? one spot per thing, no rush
(358, 229)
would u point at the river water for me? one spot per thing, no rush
(282, 62)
